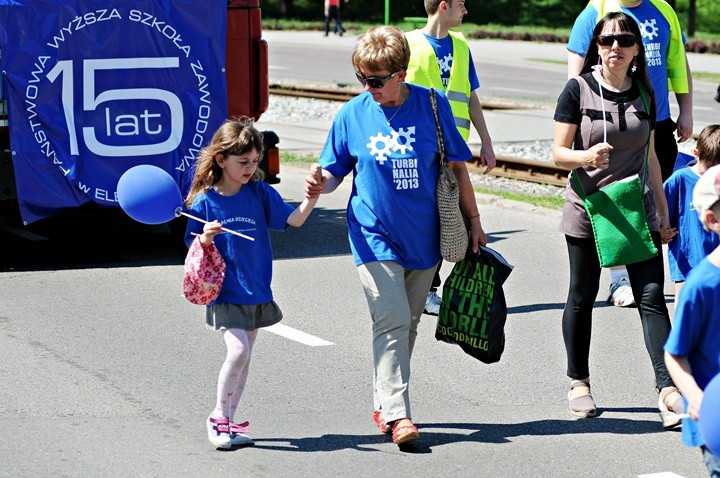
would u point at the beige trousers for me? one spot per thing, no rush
(396, 299)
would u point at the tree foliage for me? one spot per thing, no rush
(543, 13)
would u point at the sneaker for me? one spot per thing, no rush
(621, 294)
(239, 434)
(432, 303)
(218, 432)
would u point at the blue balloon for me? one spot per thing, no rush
(710, 415)
(149, 194)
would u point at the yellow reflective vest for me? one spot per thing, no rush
(423, 70)
(676, 67)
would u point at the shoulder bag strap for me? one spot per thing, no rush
(643, 97)
(577, 184)
(441, 145)
(574, 172)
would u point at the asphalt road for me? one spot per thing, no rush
(107, 371)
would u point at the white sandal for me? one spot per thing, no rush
(671, 416)
(580, 400)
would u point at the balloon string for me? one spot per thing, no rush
(226, 230)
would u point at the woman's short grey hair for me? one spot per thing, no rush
(381, 48)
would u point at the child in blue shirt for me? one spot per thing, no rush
(693, 346)
(692, 243)
(227, 191)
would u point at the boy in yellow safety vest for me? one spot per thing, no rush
(441, 58)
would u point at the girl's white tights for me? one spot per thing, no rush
(234, 371)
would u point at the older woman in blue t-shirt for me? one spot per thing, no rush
(386, 138)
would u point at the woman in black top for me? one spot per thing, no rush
(603, 129)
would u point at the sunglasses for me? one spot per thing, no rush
(623, 39)
(374, 81)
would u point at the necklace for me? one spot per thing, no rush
(403, 97)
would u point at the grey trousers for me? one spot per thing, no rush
(396, 299)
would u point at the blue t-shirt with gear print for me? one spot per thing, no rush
(655, 31)
(391, 151)
(443, 48)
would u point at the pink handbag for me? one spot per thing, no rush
(204, 273)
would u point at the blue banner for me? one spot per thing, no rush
(95, 88)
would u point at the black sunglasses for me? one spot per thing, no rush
(623, 39)
(374, 81)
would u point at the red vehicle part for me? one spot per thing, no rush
(246, 72)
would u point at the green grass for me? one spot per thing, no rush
(492, 28)
(297, 159)
(549, 202)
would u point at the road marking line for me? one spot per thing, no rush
(663, 474)
(297, 335)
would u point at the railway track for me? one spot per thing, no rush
(523, 169)
(541, 172)
(330, 94)
(345, 94)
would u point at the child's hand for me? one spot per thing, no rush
(316, 170)
(667, 233)
(210, 230)
(694, 407)
(314, 182)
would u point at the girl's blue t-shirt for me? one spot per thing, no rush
(391, 152)
(692, 243)
(655, 31)
(253, 211)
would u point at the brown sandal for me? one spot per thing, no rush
(404, 433)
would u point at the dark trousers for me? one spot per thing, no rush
(333, 14)
(666, 146)
(647, 280)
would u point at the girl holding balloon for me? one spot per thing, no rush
(227, 191)
(692, 350)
